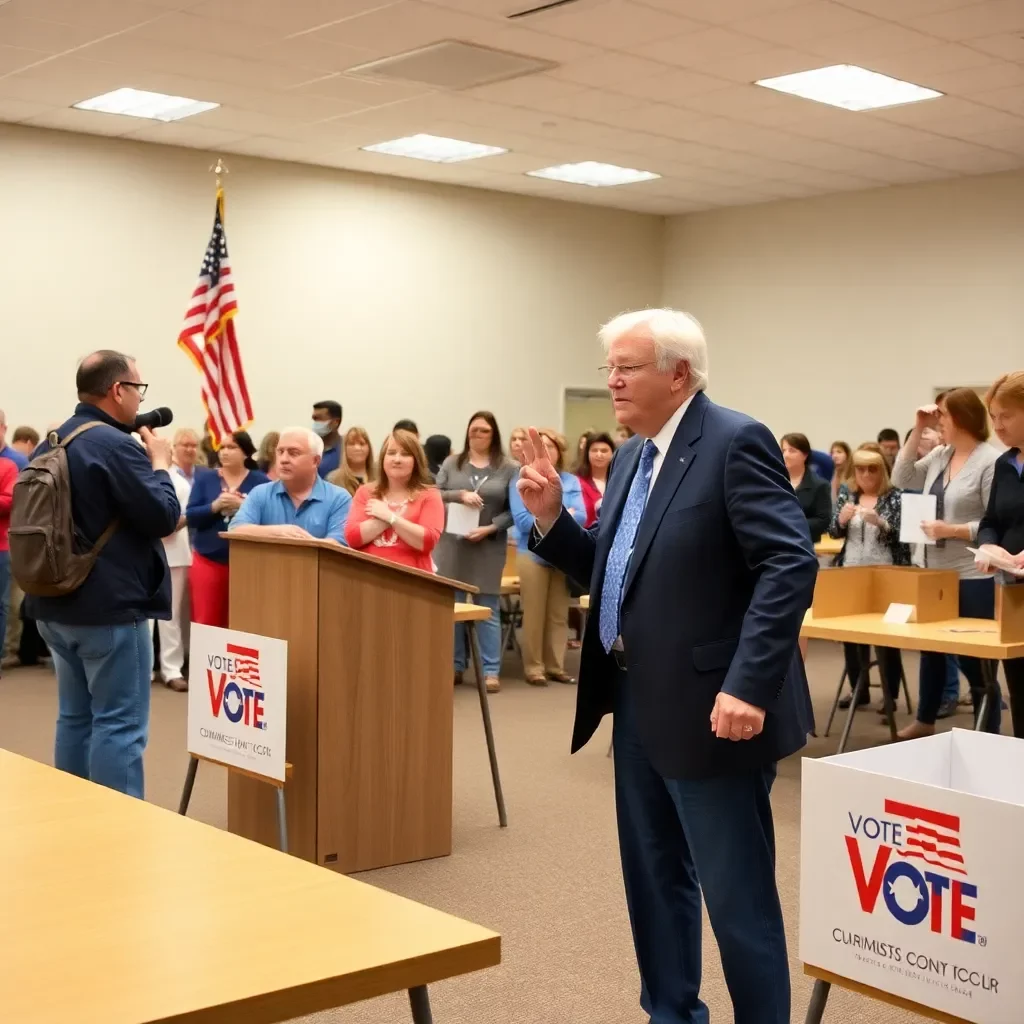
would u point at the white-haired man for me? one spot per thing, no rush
(299, 503)
(700, 570)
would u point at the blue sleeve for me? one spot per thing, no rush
(199, 513)
(251, 512)
(771, 530)
(521, 516)
(145, 498)
(338, 515)
(572, 497)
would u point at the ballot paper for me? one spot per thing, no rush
(915, 508)
(998, 562)
(462, 519)
(898, 613)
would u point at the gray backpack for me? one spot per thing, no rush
(42, 532)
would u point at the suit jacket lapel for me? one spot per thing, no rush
(675, 465)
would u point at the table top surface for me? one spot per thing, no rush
(465, 612)
(116, 911)
(977, 637)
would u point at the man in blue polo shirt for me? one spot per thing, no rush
(299, 503)
(6, 451)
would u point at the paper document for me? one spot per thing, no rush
(915, 508)
(898, 613)
(462, 519)
(999, 562)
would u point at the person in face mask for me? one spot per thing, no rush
(327, 424)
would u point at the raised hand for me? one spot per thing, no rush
(927, 416)
(539, 484)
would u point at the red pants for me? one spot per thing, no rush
(208, 582)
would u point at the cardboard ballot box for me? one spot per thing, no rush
(910, 872)
(856, 590)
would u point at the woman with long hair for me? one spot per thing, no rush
(959, 473)
(842, 460)
(266, 457)
(478, 477)
(593, 473)
(357, 466)
(215, 498)
(399, 516)
(867, 518)
(811, 491)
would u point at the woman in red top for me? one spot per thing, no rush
(593, 472)
(401, 515)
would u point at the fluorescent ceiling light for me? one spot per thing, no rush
(435, 148)
(139, 103)
(594, 174)
(849, 87)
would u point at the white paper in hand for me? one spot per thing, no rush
(462, 519)
(915, 508)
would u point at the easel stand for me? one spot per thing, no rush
(282, 816)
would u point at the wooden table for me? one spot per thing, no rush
(116, 911)
(469, 615)
(973, 637)
(828, 546)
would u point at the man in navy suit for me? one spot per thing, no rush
(700, 571)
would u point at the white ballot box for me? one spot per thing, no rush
(910, 872)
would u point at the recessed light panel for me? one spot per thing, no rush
(850, 87)
(595, 174)
(435, 148)
(138, 103)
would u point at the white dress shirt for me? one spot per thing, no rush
(663, 438)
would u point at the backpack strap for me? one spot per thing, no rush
(80, 430)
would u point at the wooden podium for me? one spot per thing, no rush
(369, 702)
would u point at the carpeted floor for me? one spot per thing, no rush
(549, 884)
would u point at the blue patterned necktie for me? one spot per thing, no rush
(622, 547)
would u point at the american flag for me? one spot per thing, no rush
(208, 337)
(247, 664)
(932, 836)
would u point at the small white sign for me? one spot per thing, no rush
(915, 509)
(909, 871)
(898, 613)
(462, 519)
(237, 699)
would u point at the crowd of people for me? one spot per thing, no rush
(322, 482)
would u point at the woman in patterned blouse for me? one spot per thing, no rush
(867, 517)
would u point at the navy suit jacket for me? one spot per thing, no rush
(721, 574)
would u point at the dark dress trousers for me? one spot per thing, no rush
(721, 573)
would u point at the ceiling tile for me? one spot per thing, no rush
(528, 90)
(1012, 140)
(46, 36)
(1004, 44)
(88, 121)
(185, 133)
(748, 102)
(862, 47)
(905, 9)
(1011, 99)
(723, 12)
(616, 25)
(361, 91)
(918, 65)
(99, 17)
(515, 39)
(997, 74)
(297, 16)
(764, 63)
(590, 105)
(14, 58)
(19, 110)
(606, 69)
(973, 159)
(816, 20)
(61, 81)
(318, 56)
(974, 21)
(671, 86)
(213, 35)
(701, 49)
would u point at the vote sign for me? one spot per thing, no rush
(237, 699)
(909, 868)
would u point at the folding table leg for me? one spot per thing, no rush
(419, 1002)
(190, 781)
(860, 686)
(282, 821)
(835, 703)
(816, 1007)
(906, 690)
(989, 672)
(485, 713)
(888, 704)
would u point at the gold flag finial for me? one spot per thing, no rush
(219, 168)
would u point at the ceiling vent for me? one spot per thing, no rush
(452, 64)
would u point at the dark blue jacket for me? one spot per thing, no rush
(721, 574)
(207, 525)
(111, 478)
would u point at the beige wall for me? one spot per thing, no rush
(397, 298)
(838, 316)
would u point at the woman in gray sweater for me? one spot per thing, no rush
(959, 474)
(478, 477)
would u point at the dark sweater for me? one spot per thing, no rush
(815, 497)
(1003, 522)
(205, 525)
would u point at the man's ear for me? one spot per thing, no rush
(681, 375)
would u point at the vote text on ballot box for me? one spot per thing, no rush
(910, 872)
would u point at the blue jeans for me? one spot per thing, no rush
(977, 601)
(677, 839)
(103, 681)
(5, 593)
(952, 690)
(488, 634)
